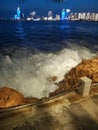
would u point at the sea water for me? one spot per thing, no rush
(32, 52)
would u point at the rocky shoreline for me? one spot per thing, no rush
(89, 68)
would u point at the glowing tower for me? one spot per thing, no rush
(18, 15)
(63, 14)
(67, 13)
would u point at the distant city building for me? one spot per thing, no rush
(96, 17)
(33, 15)
(63, 14)
(50, 18)
(92, 16)
(88, 16)
(18, 15)
(79, 16)
(50, 15)
(75, 16)
(57, 17)
(23, 16)
(28, 18)
(71, 16)
(67, 13)
(83, 16)
(45, 18)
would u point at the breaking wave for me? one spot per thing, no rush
(28, 72)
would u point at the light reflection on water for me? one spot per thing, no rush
(20, 31)
(45, 35)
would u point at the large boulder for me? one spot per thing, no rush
(10, 97)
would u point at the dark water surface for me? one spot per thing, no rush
(47, 36)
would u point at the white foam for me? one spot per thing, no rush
(28, 74)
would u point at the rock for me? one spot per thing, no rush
(10, 97)
(31, 99)
(95, 77)
(87, 68)
(53, 78)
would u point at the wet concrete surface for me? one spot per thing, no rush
(66, 112)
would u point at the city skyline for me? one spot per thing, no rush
(8, 8)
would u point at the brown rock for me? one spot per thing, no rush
(31, 99)
(88, 68)
(53, 78)
(95, 77)
(10, 97)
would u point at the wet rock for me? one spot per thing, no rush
(87, 68)
(10, 97)
(31, 99)
(52, 79)
(95, 77)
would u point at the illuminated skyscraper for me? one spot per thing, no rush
(50, 15)
(83, 16)
(63, 14)
(67, 13)
(92, 16)
(96, 17)
(33, 15)
(18, 15)
(88, 16)
(79, 16)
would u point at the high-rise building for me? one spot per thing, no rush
(63, 14)
(96, 17)
(33, 15)
(92, 16)
(75, 16)
(57, 17)
(88, 16)
(50, 15)
(67, 14)
(79, 16)
(18, 15)
(83, 16)
(71, 16)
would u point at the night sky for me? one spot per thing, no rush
(8, 7)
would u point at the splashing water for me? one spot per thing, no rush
(28, 72)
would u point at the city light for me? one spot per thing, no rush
(66, 14)
(17, 16)
(63, 14)
(68, 10)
